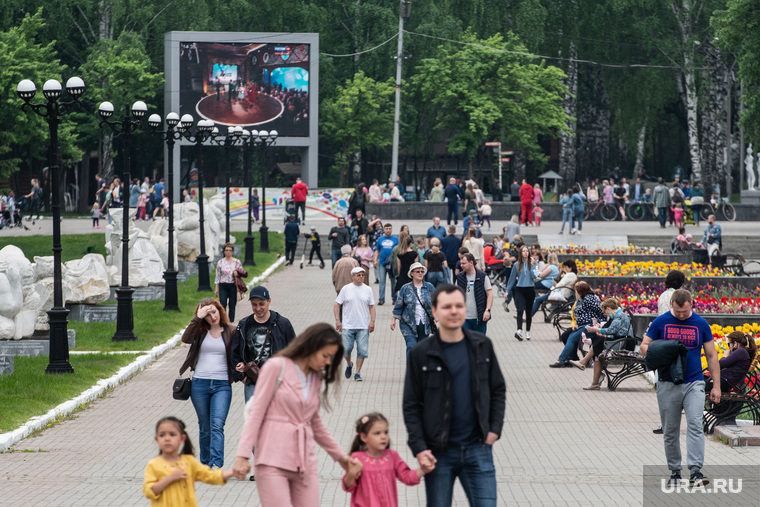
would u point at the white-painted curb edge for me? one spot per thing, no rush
(7, 440)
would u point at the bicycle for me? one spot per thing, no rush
(723, 207)
(638, 210)
(606, 210)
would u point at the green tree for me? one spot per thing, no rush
(360, 116)
(24, 136)
(120, 72)
(489, 88)
(738, 31)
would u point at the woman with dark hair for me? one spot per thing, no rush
(283, 421)
(407, 256)
(673, 282)
(586, 312)
(225, 287)
(521, 281)
(735, 365)
(210, 337)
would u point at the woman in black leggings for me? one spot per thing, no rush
(521, 281)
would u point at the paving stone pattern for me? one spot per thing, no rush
(560, 446)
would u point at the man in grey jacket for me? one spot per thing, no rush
(661, 199)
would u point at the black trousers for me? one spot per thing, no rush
(228, 298)
(316, 249)
(524, 297)
(290, 251)
(302, 206)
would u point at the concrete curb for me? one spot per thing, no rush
(9, 439)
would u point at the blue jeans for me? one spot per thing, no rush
(572, 345)
(662, 216)
(335, 254)
(436, 278)
(473, 464)
(248, 390)
(472, 325)
(381, 271)
(211, 399)
(578, 215)
(537, 302)
(567, 216)
(361, 337)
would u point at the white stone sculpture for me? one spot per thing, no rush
(758, 170)
(19, 302)
(748, 168)
(187, 228)
(86, 280)
(145, 265)
(159, 237)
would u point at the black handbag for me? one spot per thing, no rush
(181, 388)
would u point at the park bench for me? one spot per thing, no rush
(741, 401)
(618, 365)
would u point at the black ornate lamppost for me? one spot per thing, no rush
(234, 136)
(203, 131)
(52, 111)
(125, 321)
(263, 139)
(172, 133)
(249, 254)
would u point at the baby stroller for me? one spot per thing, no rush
(290, 209)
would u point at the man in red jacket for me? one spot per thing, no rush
(298, 193)
(526, 202)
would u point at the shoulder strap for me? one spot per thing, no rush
(427, 313)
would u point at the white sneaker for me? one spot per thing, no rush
(527, 335)
(573, 230)
(578, 233)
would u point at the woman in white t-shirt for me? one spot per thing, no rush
(210, 337)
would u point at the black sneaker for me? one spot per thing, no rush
(349, 369)
(657, 431)
(252, 478)
(381, 302)
(675, 478)
(697, 479)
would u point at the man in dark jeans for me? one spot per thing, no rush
(454, 403)
(339, 236)
(453, 195)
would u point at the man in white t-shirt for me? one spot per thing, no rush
(358, 319)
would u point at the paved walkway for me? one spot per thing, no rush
(561, 445)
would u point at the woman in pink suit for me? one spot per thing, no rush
(283, 421)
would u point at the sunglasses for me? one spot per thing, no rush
(206, 301)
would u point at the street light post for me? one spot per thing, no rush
(249, 254)
(203, 131)
(263, 140)
(52, 111)
(125, 321)
(170, 135)
(233, 137)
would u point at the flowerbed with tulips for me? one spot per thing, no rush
(598, 250)
(601, 267)
(727, 299)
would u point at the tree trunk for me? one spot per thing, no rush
(567, 149)
(640, 145)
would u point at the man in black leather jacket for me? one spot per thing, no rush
(454, 403)
(251, 335)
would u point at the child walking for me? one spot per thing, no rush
(678, 212)
(485, 212)
(537, 212)
(372, 482)
(142, 201)
(170, 478)
(95, 216)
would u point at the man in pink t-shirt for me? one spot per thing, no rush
(298, 193)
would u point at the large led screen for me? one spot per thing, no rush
(261, 86)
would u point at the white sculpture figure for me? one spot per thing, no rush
(86, 280)
(187, 231)
(159, 237)
(748, 168)
(145, 265)
(758, 170)
(19, 302)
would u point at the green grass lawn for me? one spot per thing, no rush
(75, 246)
(30, 392)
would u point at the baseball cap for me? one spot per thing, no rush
(259, 292)
(313, 228)
(473, 212)
(357, 270)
